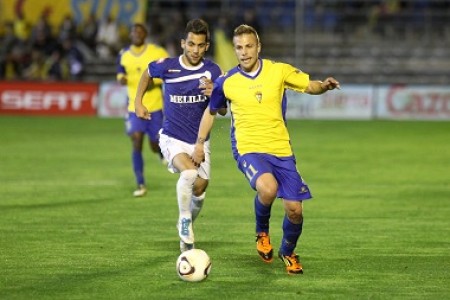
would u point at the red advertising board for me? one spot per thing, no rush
(52, 98)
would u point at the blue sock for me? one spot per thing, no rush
(138, 167)
(262, 214)
(291, 233)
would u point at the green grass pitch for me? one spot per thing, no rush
(377, 228)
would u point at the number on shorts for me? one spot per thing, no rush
(250, 172)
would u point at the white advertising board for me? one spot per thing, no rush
(113, 100)
(351, 102)
(413, 102)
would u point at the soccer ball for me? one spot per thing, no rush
(193, 265)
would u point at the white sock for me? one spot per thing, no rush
(196, 205)
(184, 192)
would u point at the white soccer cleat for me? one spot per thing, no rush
(185, 230)
(141, 191)
(185, 247)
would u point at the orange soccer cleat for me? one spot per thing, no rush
(292, 262)
(264, 247)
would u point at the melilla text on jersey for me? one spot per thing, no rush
(188, 99)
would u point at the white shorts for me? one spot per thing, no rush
(171, 147)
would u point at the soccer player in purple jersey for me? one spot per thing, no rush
(187, 87)
(255, 91)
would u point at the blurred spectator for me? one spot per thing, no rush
(108, 39)
(45, 42)
(21, 27)
(17, 61)
(8, 42)
(74, 59)
(13, 54)
(67, 29)
(56, 66)
(88, 31)
(42, 28)
(37, 69)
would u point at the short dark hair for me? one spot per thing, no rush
(197, 26)
(245, 29)
(142, 26)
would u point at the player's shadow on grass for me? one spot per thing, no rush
(225, 256)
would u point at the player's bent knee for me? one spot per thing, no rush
(267, 196)
(295, 218)
(294, 211)
(267, 187)
(189, 176)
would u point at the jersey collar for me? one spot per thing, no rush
(191, 68)
(252, 74)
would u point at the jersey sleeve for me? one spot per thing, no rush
(295, 79)
(218, 99)
(156, 68)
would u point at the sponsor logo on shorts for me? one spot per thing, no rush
(303, 190)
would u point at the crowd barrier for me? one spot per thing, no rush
(108, 99)
(373, 102)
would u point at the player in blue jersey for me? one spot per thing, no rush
(187, 87)
(132, 61)
(255, 91)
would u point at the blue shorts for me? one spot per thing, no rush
(290, 183)
(150, 127)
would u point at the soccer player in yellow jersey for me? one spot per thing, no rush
(255, 91)
(132, 61)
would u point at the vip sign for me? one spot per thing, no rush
(124, 11)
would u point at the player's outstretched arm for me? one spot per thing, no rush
(144, 83)
(317, 87)
(198, 156)
(206, 86)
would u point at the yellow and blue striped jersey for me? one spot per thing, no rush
(132, 62)
(258, 105)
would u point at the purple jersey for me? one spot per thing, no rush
(184, 102)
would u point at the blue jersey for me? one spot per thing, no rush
(184, 102)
